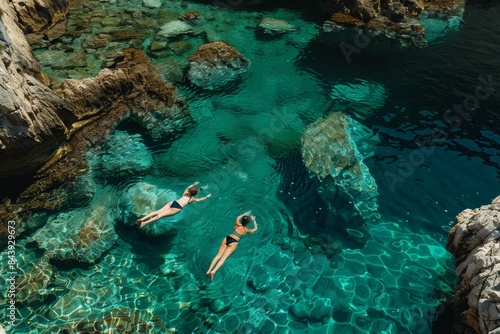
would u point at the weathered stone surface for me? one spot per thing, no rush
(30, 129)
(474, 241)
(216, 64)
(329, 150)
(35, 15)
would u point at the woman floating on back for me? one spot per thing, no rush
(174, 207)
(229, 243)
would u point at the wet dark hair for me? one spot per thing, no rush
(193, 191)
(245, 220)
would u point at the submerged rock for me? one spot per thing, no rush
(361, 98)
(143, 198)
(80, 235)
(35, 278)
(152, 3)
(275, 27)
(122, 154)
(216, 64)
(189, 16)
(330, 150)
(473, 241)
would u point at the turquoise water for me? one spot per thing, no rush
(307, 269)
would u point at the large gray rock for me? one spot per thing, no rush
(332, 149)
(474, 241)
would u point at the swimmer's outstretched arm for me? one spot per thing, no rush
(201, 199)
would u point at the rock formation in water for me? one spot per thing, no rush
(45, 132)
(216, 64)
(275, 27)
(331, 150)
(473, 241)
(400, 22)
(396, 20)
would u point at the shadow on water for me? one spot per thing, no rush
(311, 215)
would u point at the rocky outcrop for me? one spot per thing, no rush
(394, 20)
(132, 89)
(30, 127)
(36, 15)
(330, 150)
(216, 64)
(474, 241)
(45, 132)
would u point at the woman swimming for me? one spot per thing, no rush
(229, 243)
(174, 207)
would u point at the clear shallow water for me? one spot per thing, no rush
(245, 149)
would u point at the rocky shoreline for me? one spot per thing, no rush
(473, 241)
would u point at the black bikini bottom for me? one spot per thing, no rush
(230, 240)
(175, 205)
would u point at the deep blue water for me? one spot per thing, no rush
(429, 162)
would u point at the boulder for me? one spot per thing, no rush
(274, 26)
(474, 241)
(79, 235)
(174, 29)
(330, 150)
(35, 277)
(216, 64)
